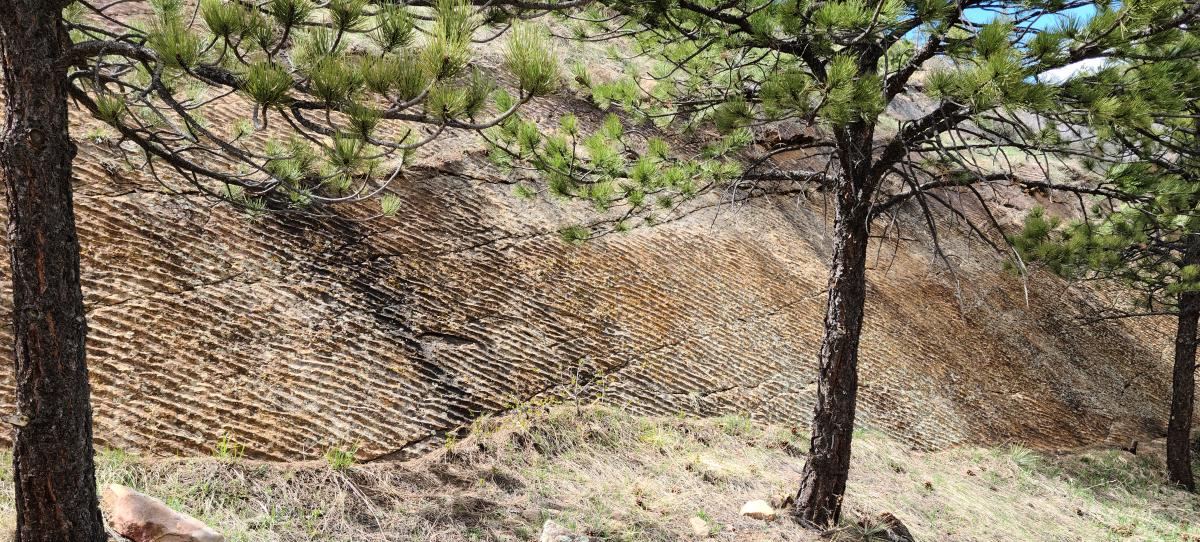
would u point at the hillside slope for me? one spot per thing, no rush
(292, 336)
(623, 478)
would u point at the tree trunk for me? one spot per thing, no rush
(54, 473)
(823, 481)
(1183, 390)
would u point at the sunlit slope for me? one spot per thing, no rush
(294, 335)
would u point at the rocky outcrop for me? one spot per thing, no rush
(294, 336)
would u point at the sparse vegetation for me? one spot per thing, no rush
(830, 71)
(723, 101)
(619, 477)
(341, 458)
(228, 449)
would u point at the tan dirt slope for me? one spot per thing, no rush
(293, 336)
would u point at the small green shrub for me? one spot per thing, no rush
(340, 458)
(228, 449)
(736, 425)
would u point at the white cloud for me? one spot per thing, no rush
(1059, 75)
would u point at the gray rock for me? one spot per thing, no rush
(553, 532)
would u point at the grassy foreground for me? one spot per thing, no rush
(624, 478)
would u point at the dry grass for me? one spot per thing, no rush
(624, 478)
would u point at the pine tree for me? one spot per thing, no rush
(833, 67)
(1144, 109)
(337, 94)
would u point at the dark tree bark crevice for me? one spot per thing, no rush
(54, 473)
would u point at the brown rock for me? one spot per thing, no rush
(781, 502)
(699, 527)
(141, 518)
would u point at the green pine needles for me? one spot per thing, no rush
(723, 77)
(267, 84)
(336, 95)
(1143, 107)
(531, 59)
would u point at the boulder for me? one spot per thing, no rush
(553, 532)
(760, 510)
(893, 530)
(699, 527)
(142, 518)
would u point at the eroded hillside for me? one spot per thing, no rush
(294, 335)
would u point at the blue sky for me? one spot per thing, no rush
(982, 16)
(1083, 13)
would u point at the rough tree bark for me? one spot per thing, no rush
(823, 481)
(52, 441)
(1183, 386)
